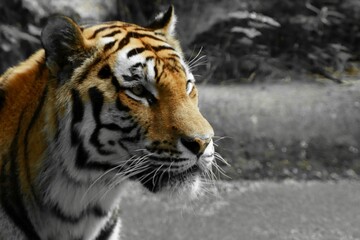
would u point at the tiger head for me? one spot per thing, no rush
(128, 103)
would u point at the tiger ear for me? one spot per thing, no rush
(62, 40)
(165, 22)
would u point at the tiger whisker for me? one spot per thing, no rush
(220, 170)
(197, 55)
(98, 179)
(145, 176)
(219, 138)
(198, 61)
(110, 170)
(132, 171)
(153, 178)
(118, 181)
(219, 157)
(167, 170)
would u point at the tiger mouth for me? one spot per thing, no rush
(155, 179)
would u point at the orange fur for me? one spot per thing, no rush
(22, 86)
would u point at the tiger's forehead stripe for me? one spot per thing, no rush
(141, 55)
(100, 29)
(113, 33)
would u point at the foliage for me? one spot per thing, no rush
(281, 39)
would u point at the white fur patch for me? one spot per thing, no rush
(103, 41)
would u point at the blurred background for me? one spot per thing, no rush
(279, 83)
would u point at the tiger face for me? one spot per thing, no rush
(128, 103)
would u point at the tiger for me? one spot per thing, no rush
(96, 107)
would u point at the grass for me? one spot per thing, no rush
(249, 211)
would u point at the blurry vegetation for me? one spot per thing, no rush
(276, 39)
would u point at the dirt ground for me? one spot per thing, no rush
(255, 210)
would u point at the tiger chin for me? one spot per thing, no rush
(96, 107)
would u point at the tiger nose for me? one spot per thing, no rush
(196, 145)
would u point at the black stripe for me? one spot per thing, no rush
(97, 211)
(159, 33)
(77, 108)
(84, 75)
(82, 161)
(138, 29)
(163, 159)
(172, 59)
(133, 138)
(129, 35)
(101, 30)
(123, 146)
(77, 115)
(149, 58)
(123, 42)
(97, 101)
(82, 156)
(115, 83)
(135, 51)
(109, 45)
(161, 48)
(143, 35)
(174, 55)
(33, 120)
(105, 72)
(121, 106)
(127, 78)
(159, 77)
(93, 210)
(111, 127)
(114, 127)
(136, 65)
(156, 73)
(128, 129)
(11, 199)
(106, 232)
(94, 140)
(129, 117)
(112, 34)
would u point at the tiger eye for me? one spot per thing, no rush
(138, 90)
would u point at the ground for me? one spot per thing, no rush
(286, 130)
(255, 210)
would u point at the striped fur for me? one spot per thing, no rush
(96, 107)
